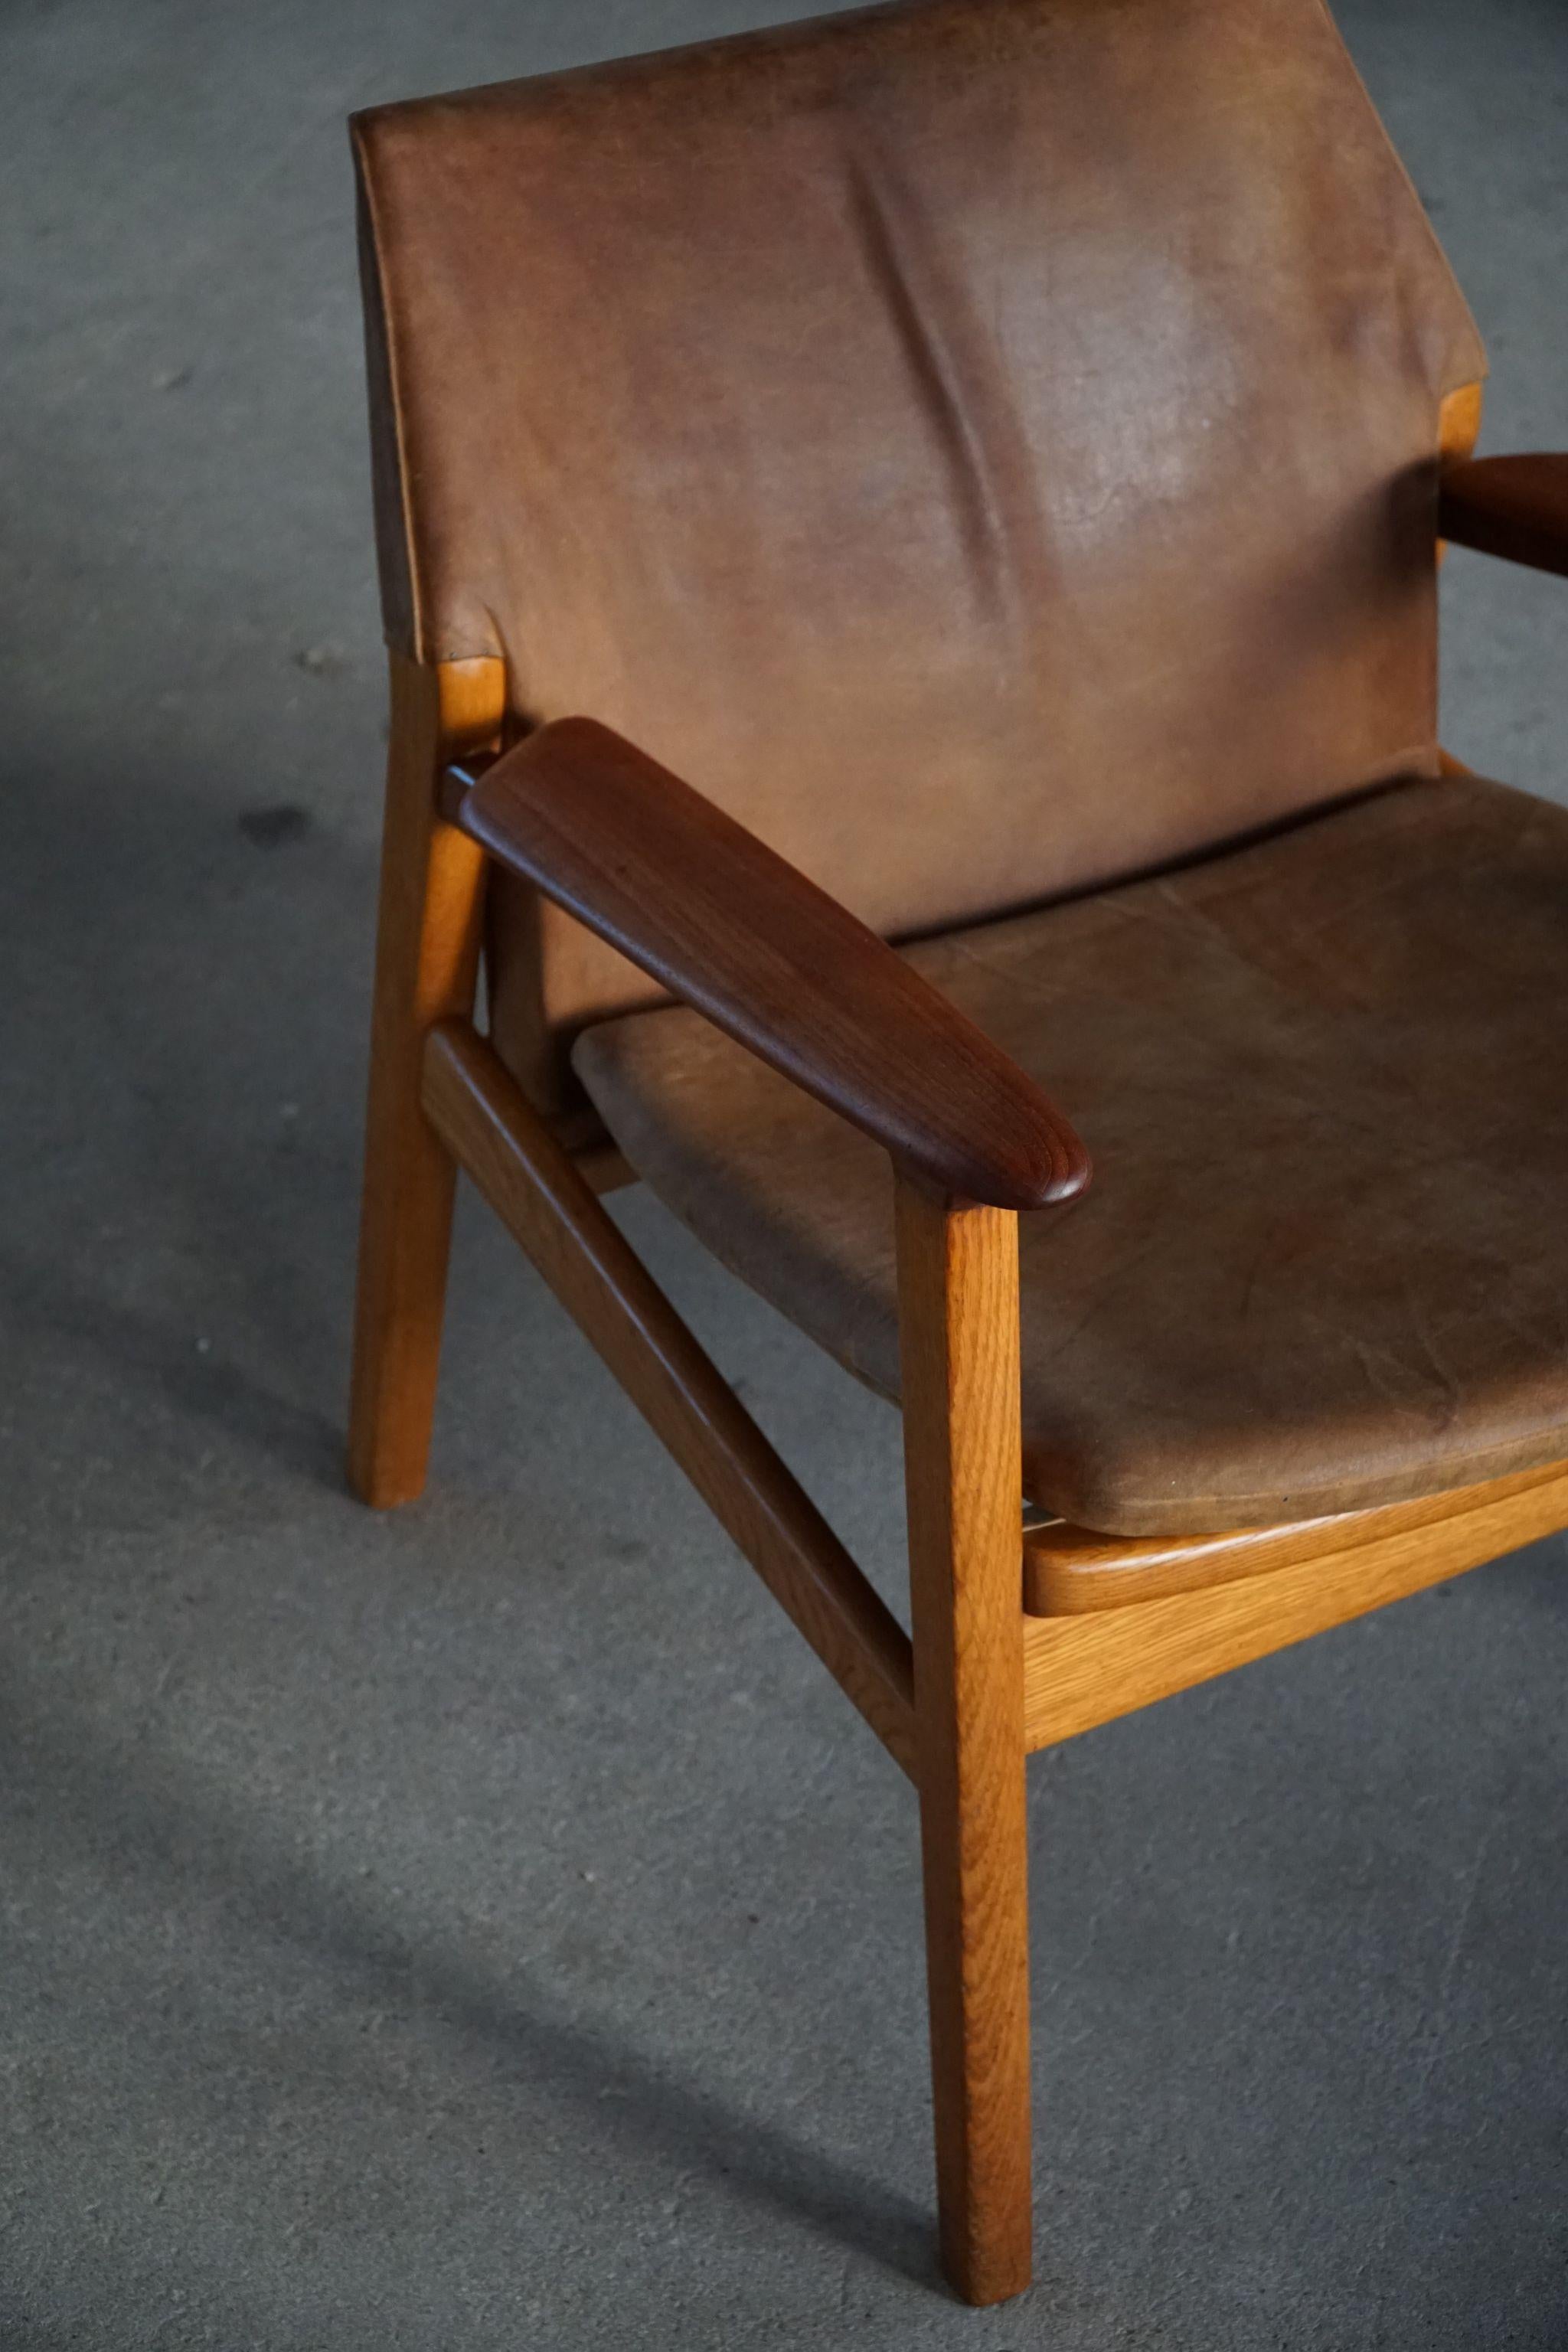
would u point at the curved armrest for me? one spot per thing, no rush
(741, 935)
(1513, 507)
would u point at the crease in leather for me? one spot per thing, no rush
(391, 502)
(959, 388)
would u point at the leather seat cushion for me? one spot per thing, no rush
(1323, 1261)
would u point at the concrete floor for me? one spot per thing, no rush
(486, 1927)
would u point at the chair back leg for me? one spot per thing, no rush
(427, 947)
(958, 1300)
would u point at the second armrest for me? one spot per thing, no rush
(716, 917)
(1513, 507)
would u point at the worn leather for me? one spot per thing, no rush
(988, 445)
(1324, 1260)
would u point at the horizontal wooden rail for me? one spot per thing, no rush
(1081, 1671)
(1070, 1571)
(529, 1181)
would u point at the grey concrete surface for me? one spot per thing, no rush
(486, 1927)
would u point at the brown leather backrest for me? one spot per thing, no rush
(987, 445)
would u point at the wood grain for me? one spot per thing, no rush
(1458, 430)
(1516, 507)
(1070, 1572)
(1459, 422)
(958, 1306)
(427, 950)
(1086, 1669)
(712, 914)
(533, 1185)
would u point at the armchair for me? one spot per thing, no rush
(848, 684)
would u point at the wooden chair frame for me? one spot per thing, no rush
(1021, 1634)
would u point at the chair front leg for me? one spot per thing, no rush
(427, 947)
(958, 1300)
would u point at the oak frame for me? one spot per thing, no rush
(983, 1681)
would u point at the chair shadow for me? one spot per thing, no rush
(205, 1852)
(140, 1349)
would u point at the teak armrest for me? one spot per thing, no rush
(716, 917)
(1513, 507)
